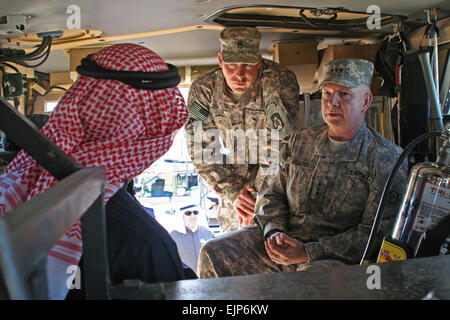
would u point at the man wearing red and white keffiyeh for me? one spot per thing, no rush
(99, 122)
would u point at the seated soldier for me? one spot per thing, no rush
(123, 126)
(319, 210)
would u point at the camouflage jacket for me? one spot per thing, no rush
(329, 200)
(271, 103)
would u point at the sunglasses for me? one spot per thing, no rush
(188, 213)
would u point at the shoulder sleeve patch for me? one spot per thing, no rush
(277, 118)
(198, 112)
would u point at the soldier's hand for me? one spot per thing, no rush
(245, 221)
(245, 206)
(285, 250)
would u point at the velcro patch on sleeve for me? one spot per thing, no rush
(198, 112)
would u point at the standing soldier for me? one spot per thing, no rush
(245, 93)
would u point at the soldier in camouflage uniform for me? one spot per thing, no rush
(246, 92)
(319, 210)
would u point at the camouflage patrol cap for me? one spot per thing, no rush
(240, 45)
(350, 73)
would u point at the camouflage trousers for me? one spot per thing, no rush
(227, 216)
(242, 252)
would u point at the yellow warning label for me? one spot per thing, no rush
(391, 252)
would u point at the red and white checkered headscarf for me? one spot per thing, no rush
(102, 123)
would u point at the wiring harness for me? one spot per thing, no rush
(8, 55)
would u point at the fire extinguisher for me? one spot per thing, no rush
(423, 222)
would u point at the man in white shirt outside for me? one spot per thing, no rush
(193, 238)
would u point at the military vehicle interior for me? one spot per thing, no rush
(43, 41)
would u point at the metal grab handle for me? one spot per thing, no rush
(433, 95)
